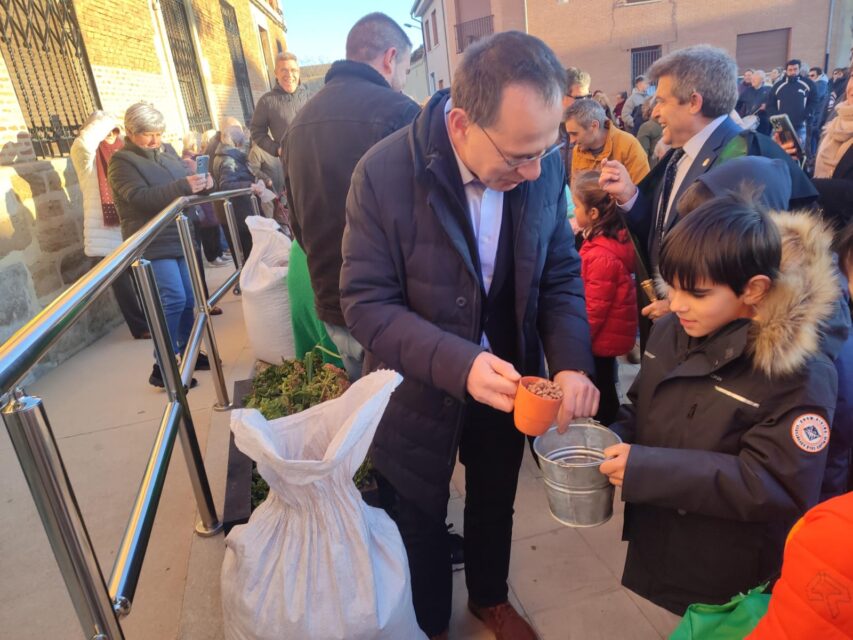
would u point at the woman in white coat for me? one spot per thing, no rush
(90, 154)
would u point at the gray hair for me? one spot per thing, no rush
(373, 35)
(142, 117)
(234, 135)
(577, 76)
(702, 69)
(585, 112)
(286, 56)
(494, 63)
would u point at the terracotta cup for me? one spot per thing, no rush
(533, 414)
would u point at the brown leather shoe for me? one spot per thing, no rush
(504, 621)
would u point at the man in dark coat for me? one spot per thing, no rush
(796, 97)
(277, 108)
(459, 271)
(360, 104)
(697, 89)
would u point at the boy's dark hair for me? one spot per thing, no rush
(794, 62)
(586, 188)
(492, 64)
(817, 70)
(373, 35)
(727, 241)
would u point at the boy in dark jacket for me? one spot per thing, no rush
(727, 430)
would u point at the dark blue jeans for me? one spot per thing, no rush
(176, 295)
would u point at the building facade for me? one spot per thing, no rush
(195, 60)
(615, 41)
(436, 27)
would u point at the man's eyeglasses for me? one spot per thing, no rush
(514, 163)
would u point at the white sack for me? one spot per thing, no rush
(315, 561)
(266, 304)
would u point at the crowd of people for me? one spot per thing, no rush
(520, 224)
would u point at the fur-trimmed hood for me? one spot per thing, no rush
(796, 316)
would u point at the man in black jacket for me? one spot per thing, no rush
(277, 108)
(795, 96)
(360, 104)
(460, 272)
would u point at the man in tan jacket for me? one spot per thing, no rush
(596, 139)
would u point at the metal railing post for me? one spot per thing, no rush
(235, 234)
(202, 305)
(35, 446)
(256, 209)
(210, 523)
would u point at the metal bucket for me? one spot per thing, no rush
(578, 493)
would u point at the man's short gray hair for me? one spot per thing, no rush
(286, 56)
(585, 112)
(496, 62)
(578, 76)
(703, 69)
(142, 117)
(373, 35)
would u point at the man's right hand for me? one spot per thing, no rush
(197, 182)
(616, 181)
(493, 381)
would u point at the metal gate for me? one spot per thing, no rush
(47, 63)
(642, 59)
(186, 64)
(238, 60)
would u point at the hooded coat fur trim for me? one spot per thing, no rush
(786, 331)
(787, 328)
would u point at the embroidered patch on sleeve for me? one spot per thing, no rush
(810, 432)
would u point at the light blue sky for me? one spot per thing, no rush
(317, 29)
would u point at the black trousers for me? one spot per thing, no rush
(605, 380)
(128, 304)
(209, 238)
(491, 449)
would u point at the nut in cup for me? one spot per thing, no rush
(537, 402)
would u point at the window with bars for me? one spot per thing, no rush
(641, 59)
(238, 60)
(48, 67)
(186, 64)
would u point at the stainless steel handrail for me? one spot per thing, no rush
(98, 606)
(32, 341)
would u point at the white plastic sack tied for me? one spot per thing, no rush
(315, 561)
(266, 305)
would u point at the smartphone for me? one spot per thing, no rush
(202, 164)
(782, 126)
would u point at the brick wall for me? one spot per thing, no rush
(598, 36)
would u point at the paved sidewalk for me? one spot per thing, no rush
(105, 416)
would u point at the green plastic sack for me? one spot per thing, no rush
(731, 621)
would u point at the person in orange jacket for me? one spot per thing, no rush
(814, 597)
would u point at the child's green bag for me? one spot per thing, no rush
(731, 621)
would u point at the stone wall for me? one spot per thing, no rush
(41, 220)
(41, 252)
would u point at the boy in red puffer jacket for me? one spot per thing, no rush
(607, 265)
